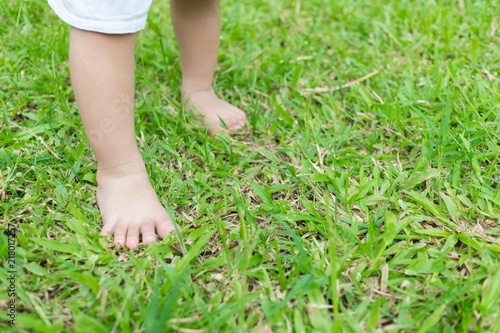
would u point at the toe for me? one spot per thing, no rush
(241, 120)
(120, 235)
(164, 228)
(240, 123)
(132, 238)
(148, 233)
(107, 230)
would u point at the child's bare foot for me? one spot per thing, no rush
(215, 113)
(130, 207)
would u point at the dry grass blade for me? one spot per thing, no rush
(347, 85)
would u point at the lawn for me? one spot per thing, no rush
(363, 195)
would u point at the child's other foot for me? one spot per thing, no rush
(214, 113)
(130, 207)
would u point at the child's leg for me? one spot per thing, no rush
(197, 28)
(102, 73)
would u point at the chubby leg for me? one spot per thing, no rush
(197, 28)
(102, 73)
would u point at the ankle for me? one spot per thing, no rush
(120, 170)
(189, 91)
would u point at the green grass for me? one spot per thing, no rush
(369, 208)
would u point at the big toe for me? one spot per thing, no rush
(164, 228)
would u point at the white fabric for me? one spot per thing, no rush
(106, 16)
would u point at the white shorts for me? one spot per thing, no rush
(106, 16)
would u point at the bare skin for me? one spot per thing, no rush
(130, 207)
(214, 113)
(197, 28)
(102, 72)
